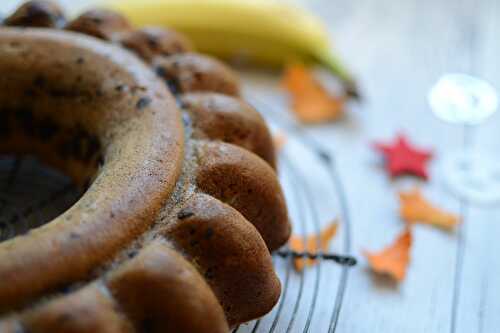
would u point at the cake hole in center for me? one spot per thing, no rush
(31, 194)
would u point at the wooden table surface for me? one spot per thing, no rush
(398, 49)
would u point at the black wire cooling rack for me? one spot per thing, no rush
(311, 301)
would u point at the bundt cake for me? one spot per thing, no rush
(181, 204)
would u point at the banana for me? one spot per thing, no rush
(263, 32)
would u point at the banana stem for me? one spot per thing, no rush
(334, 65)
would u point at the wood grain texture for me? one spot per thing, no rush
(398, 49)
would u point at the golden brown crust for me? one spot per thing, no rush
(230, 254)
(191, 72)
(37, 13)
(229, 119)
(150, 42)
(101, 23)
(87, 310)
(161, 292)
(142, 153)
(99, 114)
(247, 183)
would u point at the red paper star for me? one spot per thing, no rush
(402, 158)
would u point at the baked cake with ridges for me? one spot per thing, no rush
(182, 205)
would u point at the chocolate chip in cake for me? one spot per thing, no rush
(47, 128)
(184, 214)
(39, 81)
(74, 235)
(209, 233)
(132, 254)
(143, 102)
(26, 120)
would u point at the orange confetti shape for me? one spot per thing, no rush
(311, 102)
(393, 260)
(311, 243)
(414, 208)
(279, 141)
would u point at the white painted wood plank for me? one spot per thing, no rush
(399, 49)
(479, 305)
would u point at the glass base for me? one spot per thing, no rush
(473, 177)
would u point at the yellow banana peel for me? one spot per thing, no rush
(263, 32)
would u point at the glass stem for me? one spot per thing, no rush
(469, 147)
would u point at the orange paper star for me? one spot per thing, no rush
(311, 245)
(414, 208)
(311, 102)
(393, 260)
